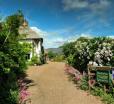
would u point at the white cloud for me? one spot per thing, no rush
(39, 31)
(73, 4)
(111, 36)
(51, 39)
(97, 8)
(86, 35)
(78, 4)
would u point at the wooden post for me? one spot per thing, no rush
(88, 77)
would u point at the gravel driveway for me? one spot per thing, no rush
(51, 86)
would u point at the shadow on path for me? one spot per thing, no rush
(28, 82)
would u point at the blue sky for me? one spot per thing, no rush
(59, 21)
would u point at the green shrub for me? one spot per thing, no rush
(108, 98)
(84, 83)
(51, 55)
(99, 50)
(42, 58)
(79, 53)
(12, 58)
(13, 98)
(59, 58)
(70, 60)
(8, 88)
(105, 97)
(35, 61)
(97, 91)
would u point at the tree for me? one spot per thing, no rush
(12, 58)
(68, 48)
(51, 55)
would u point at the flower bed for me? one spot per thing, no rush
(82, 82)
(76, 75)
(24, 95)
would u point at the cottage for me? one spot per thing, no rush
(31, 36)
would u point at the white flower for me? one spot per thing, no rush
(104, 44)
(95, 64)
(102, 52)
(96, 53)
(100, 65)
(90, 62)
(108, 48)
(106, 53)
(88, 57)
(99, 45)
(110, 54)
(108, 58)
(104, 48)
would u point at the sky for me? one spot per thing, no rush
(61, 21)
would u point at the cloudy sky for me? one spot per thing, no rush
(59, 21)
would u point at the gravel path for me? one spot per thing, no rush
(51, 86)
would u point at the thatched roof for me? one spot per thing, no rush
(30, 34)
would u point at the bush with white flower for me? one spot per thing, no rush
(104, 54)
(98, 50)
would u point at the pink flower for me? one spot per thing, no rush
(24, 94)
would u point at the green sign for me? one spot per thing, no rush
(103, 76)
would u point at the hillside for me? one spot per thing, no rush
(54, 50)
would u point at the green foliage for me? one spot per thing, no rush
(99, 50)
(13, 98)
(76, 53)
(12, 58)
(55, 56)
(97, 90)
(51, 55)
(68, 48)
(35, 61)
(8, 87)
(106, 97)
(27, 47)
(59, 58)
(79, 53)
(42, 56)
(70, 59)
(14, 21)
(84, 84)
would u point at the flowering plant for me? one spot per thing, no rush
(23, 93)
(72, 71)
(99, 50)
(103, 55)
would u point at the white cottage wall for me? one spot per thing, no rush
(38, 48)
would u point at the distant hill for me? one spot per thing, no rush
(55, 50)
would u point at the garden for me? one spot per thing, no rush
(89, 64)
(13, 63)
